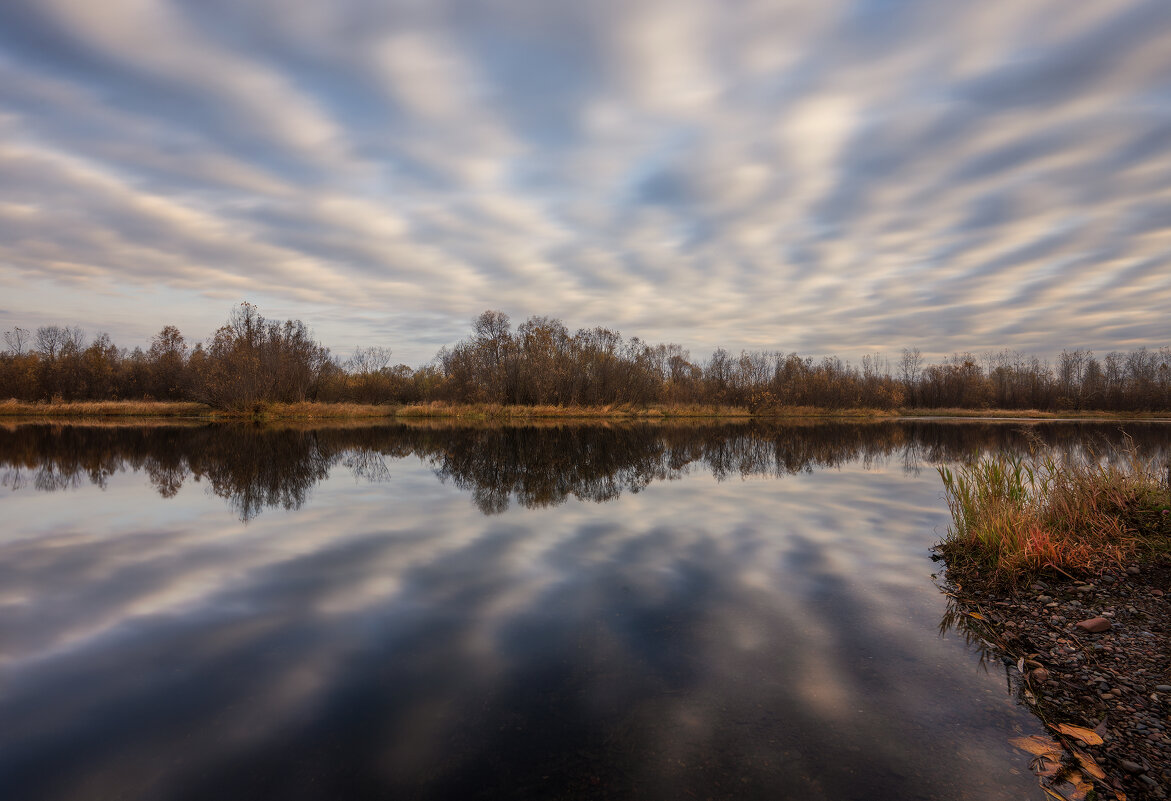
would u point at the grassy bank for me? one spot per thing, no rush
(461, 411)
(1031, 414)
(1013, 517)
(519, 413)
(494, 411)
(311, 410)
(186, 409)
(115, 408)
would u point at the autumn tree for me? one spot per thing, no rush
(167, 357)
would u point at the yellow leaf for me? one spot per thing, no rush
(1045, 766)
(1089, 765)
(1077, 732)
(1121, 796)
(976, 615)
(1080, 786)
(1053, 793)
(1038, 745)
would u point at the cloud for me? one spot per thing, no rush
(840, 178)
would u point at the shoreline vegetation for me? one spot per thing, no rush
(1016, 517)
(251, 363)
(1061, 571)
(316, 410)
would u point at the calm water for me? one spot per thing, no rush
(216, 612)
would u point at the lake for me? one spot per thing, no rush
(215, 611)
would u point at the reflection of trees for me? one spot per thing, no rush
(256, 468)
(545, 466)
(253, 468)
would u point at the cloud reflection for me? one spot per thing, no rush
(737, 636)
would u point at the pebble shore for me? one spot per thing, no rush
(1112, 675)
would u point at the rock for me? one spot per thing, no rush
(1094, 625)
(1133, 570)
(1039, 675)
(1131, 767)
(1163, 688)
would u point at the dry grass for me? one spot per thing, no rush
(1031, 414)
(863, 412)
(310, 410)
(1027, 414)
(1013, 517)
(489, 411)
(495, 411)
(150, 409)
(663, 411)
(15, 408)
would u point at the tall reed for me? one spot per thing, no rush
(1015, 515)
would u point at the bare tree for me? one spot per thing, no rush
(910, 366)
(369, 360)
(17, 340)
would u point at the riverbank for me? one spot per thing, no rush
(1061, 570)
(486, 411)
(1111, 682)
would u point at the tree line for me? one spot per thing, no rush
(251, 360)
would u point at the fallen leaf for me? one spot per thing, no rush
(1081, 787)
(1053, 793)
(1089, 765)
(1078, 733)
(1045, 767)
(977, 615)
(1038, 745)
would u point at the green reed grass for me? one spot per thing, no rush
(1013, 515)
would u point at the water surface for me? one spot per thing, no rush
(745, 611)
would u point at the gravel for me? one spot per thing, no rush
(1117, 682)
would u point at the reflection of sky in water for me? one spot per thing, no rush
(753, 637)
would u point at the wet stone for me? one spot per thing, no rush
(1094, 625)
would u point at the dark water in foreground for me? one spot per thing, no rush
(221, 612)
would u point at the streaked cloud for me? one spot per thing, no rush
(835, 177)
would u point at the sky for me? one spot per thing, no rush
(822, 177)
